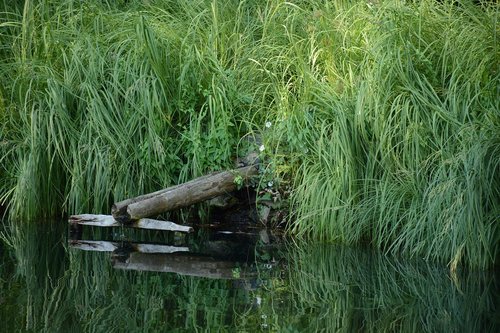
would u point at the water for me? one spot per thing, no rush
(228, 283)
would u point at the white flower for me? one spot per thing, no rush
(261, 148)
(268, 124)
(270, 184)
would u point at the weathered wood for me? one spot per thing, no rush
(192, 192)
(191, 265)
(120, 207)
(106, 246)
(109, 221)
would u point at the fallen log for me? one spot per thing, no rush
(183, 195)
(109, 221)
(122, 205)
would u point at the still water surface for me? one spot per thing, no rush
(211, 282)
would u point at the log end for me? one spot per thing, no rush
(121, 215)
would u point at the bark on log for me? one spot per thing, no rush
(187, 194)
(109, 221)
(122, 205)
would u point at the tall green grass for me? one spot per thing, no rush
(406, 157)
(385, 115)
(116, 103)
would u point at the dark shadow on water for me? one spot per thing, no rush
(226, 283)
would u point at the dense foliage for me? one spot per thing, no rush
(381, 116)
(309, 288)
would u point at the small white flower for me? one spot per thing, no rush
(268, 124)
(270, 184)
(261, 148)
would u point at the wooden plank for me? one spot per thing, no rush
(182, 264)
(192, 192)
(157, 248)
(94, 220)
(106, 246)
(160, 225)
(109, 221)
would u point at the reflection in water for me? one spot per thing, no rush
(48, 286)
(352, 290)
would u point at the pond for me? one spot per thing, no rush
(129, 281)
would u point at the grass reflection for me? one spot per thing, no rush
(299, 288)
(350, 290)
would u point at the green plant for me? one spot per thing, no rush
(238, 180)
(383, 116)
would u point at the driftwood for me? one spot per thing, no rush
(192, 265)
(109, 221)
(192, 192)
(106, 246)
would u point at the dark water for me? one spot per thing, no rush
(238, 283)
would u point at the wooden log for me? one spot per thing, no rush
(121, 206)
(109, 221)
(119, 209)
(192, 192)
(106, 246)
(192, 265)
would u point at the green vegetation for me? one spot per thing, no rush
(383, 116)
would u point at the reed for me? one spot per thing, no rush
(384, 114)
(404, 156)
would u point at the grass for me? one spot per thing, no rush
(412, 167)
(385, 115)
